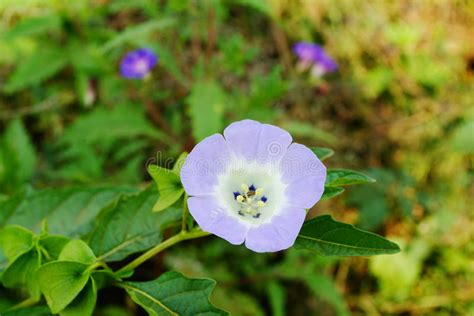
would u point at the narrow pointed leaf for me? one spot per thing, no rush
(331, 238)
(340, 177)
(174, 294)
(322, 152)
(330, 192)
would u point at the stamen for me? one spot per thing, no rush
(251, 200)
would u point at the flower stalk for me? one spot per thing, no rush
(183, 235)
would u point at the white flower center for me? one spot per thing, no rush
(251, 192)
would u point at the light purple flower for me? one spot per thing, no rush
(138, 63)
(252, 185)
(312, 55)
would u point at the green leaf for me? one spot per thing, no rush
(38, 67)
(322, 152)
(174, 294)
(53, 245)
(179, 163)
(169, 186)
(61, 282)
(68, 211)
(33, 26)
(206, 108)
(17, 156)
(340, 177)
(331, 238)
(84, 303)
(22, 272)
(15, 240)
(130, 226)
(304, 129)
(137, 33)
(277, 296)
(325, 288)
(105, 278)
(77, 251)
(330, 192)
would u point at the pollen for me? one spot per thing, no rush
(251, 200)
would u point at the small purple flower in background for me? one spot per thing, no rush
(138, 64)
(252, 185)
(313, 56)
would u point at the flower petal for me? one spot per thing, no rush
(242, 138)
(305, 192)
(273, 143)
(255, 141)
(208, 159)
(304, 174)
(300, 162)
(214, 219)
(277, 235)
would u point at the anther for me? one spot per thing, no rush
(245, 188)
(259, 191)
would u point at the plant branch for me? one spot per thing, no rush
(185, 213)
(183, 235)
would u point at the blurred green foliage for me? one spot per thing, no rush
(402, 104)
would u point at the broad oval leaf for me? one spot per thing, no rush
(78, 251)
(339, 177)
(169, 186)
(174, 294)
(61, 282)
(15, 240)
(130, 226)
(22, 272)
(322, 152)
(331, 238)
(84, 303)
(53, 245)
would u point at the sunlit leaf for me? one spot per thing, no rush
(61, 282)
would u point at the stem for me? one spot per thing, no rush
(183, 235)
(185, 213)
